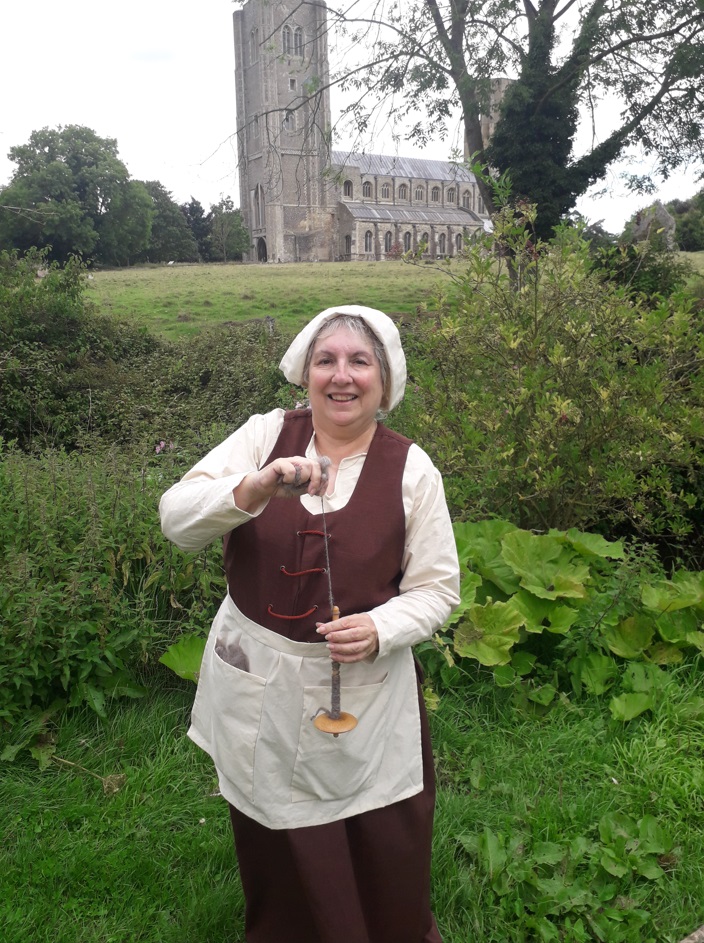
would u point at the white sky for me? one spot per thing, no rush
(159, 77)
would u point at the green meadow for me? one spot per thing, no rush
(180, 300)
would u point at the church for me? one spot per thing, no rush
(302, 201)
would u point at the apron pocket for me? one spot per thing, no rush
(331, 768)
(236, 699)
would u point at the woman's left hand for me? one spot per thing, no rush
(351, 638)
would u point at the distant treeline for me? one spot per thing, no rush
(72, 195)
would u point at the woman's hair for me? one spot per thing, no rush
(359, 326)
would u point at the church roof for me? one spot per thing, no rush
(443, 216)
(415, 167)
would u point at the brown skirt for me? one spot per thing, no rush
(365, 879)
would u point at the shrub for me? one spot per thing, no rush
(90, 589)
(549, 397)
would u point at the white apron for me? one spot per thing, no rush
(273, 764)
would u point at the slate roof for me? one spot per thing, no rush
(442, 216)
(415, 167)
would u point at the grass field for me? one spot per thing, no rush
(175, 301)
(124, 839)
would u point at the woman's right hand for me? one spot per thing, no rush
(282, 478)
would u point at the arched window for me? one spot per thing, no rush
(442, 244)
(289, 122)
(406, 242)
(254, 45)
(435, 194)
(367, 189)
(458, 242)
(298, 42)
(368, 241)
(465, 199)
(347, 188)
(403, 192)
(255, 127)
(385, 191)
(387, 242)
(451, 196)
(287, 40)
(348, 246)
(480, 205)
(420, 193)
(425, 239)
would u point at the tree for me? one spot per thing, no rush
(67, 182)
(125, 230)
(430, 60)
(689, 217)
(171, 238)
(228, 236)
(197, 221)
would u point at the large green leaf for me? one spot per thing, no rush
(627, 706)
(488, 633)
(542, 614)
(479, 545)
(674, 627)
(597, 672)
(593, 545)
(544, 565)
(184, 657)
(631, 636)
(686, 590)
(468, 591)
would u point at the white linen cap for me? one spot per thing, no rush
(294, 360)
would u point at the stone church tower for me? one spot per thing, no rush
(283, 134)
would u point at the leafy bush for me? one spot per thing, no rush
(567, 611)
(547, 396)
(90, 588)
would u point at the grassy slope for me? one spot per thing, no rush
(153, 863)
(182, 299)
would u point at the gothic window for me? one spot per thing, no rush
(406, 242)
(480, 204)
(387, 242)
(465, 199)
(403, 192)
(287, 40)
(298, 42)
(289, 122)
(442, 244)
(420, 193)
(435, 194)
(368, 241)
(254, 45)
(385, 191)
(347, 188)
(348, 246)
(458, 241)
(425, 239)
(451, 196)
(255, 127)
(367, 189)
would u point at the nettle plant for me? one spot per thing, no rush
(568, 609)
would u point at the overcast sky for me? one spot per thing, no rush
(159, 77)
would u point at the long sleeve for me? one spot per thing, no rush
(201, 507)
(429, 588)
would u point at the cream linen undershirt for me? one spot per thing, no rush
(201, 507)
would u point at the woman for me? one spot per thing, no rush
(333, 834)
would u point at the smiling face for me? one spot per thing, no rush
(344, 381)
